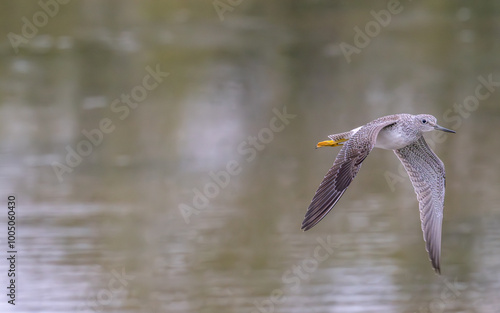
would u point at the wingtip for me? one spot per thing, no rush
(436, 266)
(437, 271)
(306, 225)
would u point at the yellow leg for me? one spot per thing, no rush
(330, 143)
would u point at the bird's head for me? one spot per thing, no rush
(427, 123)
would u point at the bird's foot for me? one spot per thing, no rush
(331, 143)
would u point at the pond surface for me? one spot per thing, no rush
(162, 155)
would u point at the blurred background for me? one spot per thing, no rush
(162, 154)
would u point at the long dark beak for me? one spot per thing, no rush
(437, 127)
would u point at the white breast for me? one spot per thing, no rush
(391, 139)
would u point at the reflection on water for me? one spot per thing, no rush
(111, 237)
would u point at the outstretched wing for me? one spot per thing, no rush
(344, 169)
(427, 175)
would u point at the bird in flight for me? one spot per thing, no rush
(401, 133)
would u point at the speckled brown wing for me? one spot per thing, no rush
(427, 175)
(344, 169)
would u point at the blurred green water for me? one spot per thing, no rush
(110, 236)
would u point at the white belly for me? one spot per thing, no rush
(391, 139)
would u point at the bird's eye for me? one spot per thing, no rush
(424, 121)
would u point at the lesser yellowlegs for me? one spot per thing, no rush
(401, 133)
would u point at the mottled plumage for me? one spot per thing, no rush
(403, 134)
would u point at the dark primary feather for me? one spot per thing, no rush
(330, 190)
(344, 169)
(427, 175)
